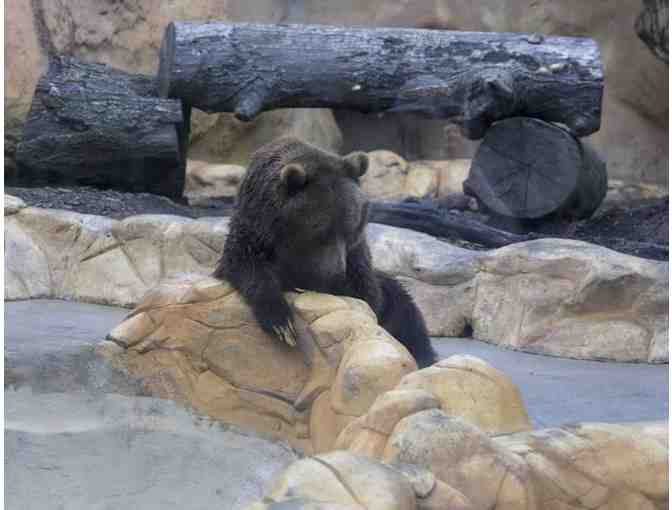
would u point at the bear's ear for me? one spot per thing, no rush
(293, 176)
(357, 164)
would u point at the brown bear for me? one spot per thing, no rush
(299, 223)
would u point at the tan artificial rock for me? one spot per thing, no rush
(194, 339)
(27, 273)
(463, 457)
(232, 142)
(449, 174)
(343, 480)
(394, 405)
(596, 465)
(572, 299)
(448, 463)
(386, 175)
(210, 180)
(368, 369)
(421, 182)
(469, 388)
(368, 434)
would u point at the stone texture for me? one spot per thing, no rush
(194, 340)
(550, 296)
(339, 480)
(452, 464)
(205, 180)
(450, 174)
(230, 141)
(459, 386)
(573, 299)
(391, 177)
(468, 387)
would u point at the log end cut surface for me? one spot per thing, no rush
(525, 168)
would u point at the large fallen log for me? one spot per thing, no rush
(471, 78)
(92, 125)
(426, 217)
(528, 169)
(652, 27)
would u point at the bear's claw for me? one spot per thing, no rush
(287, 334)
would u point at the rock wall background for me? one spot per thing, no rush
(127, 35)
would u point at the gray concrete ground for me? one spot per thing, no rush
(80, 436)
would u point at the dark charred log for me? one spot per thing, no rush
(473, 79)
(92, 125)
(425, 217)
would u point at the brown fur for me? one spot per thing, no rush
(299, 223)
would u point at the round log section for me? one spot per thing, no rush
(92, 125)
(528, 169)
(470, 78)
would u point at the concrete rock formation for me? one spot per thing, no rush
(195, 341)
(549, 296)
(449, 463)
(205, 180)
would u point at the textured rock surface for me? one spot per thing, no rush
(634, 136)
(206, 180)
(452, 464)
(232, 141)
(460, 386)
(340, 480)
(391, 177)
(569, 298)
(550, 296)
(194, 340)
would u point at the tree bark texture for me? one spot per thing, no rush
(93, 125)
(652, 27)
(426, 217)
(528, 169)
(471, 78)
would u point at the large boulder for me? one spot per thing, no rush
(452, 464)
(195, 340)
(548, 296)
(460, 386)
(573, 299)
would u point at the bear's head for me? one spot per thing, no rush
(304, 195)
